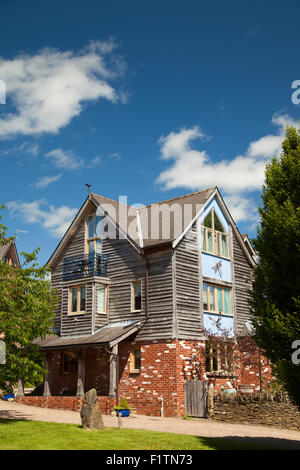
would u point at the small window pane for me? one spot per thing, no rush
(91, 226)
(101, 299)
(91, 247)
(220, 300)
(82, 298)
(137, 359)
(218, 225)
(99, 223)
(208, 221)
(209, 242)
(98, 246)
(137, 292)
(212, 298)
(224, 245)
(205, 305)
(227, 301)
(74, 300)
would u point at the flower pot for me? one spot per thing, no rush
(123, 413)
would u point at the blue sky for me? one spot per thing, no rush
(145, 99)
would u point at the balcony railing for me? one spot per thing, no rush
(78, 267)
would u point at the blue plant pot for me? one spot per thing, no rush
(123, 413)
(7, 397)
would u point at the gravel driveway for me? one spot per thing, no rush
(197, 427)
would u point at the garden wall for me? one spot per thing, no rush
(264, 409)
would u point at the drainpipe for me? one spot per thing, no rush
(147, 287)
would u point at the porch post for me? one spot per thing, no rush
(47, 392)
(81, 374)
(113, 371)
(20, 392)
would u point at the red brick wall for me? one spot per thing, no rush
(165, 365)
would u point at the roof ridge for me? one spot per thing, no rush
(109, 199)
(180, 197)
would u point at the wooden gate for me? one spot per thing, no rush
(195, 398)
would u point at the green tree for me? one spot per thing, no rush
(275, 299)
(26, 312)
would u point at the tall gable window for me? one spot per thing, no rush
(217, 299)
(94, 233)
(214, 237)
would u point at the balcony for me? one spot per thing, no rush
(79, 267)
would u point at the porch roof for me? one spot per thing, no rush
(109, 335)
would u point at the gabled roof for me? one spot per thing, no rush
(137, 224)
(10, 248)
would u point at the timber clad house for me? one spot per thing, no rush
(132, 305)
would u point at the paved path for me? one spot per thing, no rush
(197, 427)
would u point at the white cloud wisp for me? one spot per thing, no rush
(194, 169)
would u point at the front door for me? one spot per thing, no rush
(90, 370)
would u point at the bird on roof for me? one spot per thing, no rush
(88, 186)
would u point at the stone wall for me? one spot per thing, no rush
(264, 409)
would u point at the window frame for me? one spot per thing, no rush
(133, 283)
(105, 286)
(215, 293)
(216, 237)
(95, 237)
(133, 369)
(78, 299)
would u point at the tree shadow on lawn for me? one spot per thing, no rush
(14, 415)
(250, 443)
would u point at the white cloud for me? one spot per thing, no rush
(55, 220)
(24, 147)
(194, 169)
(48, 90)
(67, 160)
(44, 182)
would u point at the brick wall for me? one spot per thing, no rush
(165, 365)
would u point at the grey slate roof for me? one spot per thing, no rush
(106, 335)
(148, 218)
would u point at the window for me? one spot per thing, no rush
(68, 363)
(217, 299)
(214, 238)
(220, 356)
(212, 358)
(136, 295)
(77, 299)
(101, 298)
(135, 360)
(94, 234)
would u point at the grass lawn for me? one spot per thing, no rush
(37, 435)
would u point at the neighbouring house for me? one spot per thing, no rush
(136, 286)
(9, 254)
